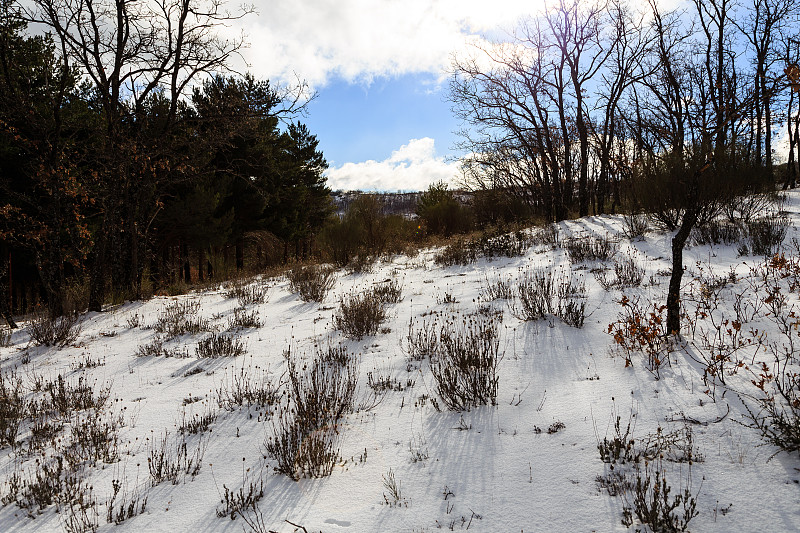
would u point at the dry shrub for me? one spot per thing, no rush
(248, 386)
(543, 292)
(241, 319)
(305, 435)
(459, 252)
(389, 291)
(172, 459)
(248, 293)
(464, 363)
(497, 289)
(312, 282)
(582, 249)
(639, 331)
(635, 225)
(180, 318)
(13, 408)
(653, 505)
(48, 330)
(766, 236)
(216, 345)
(360, 315)
(627, 273)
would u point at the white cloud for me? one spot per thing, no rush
(412, 167)
(363, 39)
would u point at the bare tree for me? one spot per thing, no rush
(792, 71)
(527, 107)
(577, 32)
(625, 66)
(765, 22)
(509, 134)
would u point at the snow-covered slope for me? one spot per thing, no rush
(528, 463)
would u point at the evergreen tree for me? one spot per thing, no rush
(43, 132)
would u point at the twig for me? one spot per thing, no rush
(701, 423)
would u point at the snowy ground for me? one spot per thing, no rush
(494, 468)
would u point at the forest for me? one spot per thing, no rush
(134, 161)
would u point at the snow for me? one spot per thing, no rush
(494, 468)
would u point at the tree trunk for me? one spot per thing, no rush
(5, 298)
(187, 269)
(239, 254)
(200, 257)
(583, 175)
(97, 278)
(674, 294)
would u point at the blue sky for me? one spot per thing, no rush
(357, 121)
(379, 68)
(372, 135)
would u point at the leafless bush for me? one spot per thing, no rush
(748, 207)
(158, 348)
(582, 249)
(305, 435)
(247, 386)
(64, 397)
(80, 515)
(170, 459)
(254, 294)
(766, 236)
(5, 337)
(543, 292)
(93, 436)
(216, 345)
(627, 273)
(497, 289)
(180, 318)
(465, 361)
(48, 330)
(241, 319)
(312, 282)
(51, 481)
(717, 232)
(198, 422)
(614, 482)
(360, 315)
(321, 393)
(488, 245)
(635, 225)
(458, 252)
(381, 383)
(675, 446)
(776, 414)
(394, 487)
(124, 505)
(421, 341)
(334, 354)
(620, 448)
(13, 408)
(362, 263)
(248, 293)
(43, 430)
(547, 236)
(777, 420)
(243, 500)
(389, 291)
(495, 244)
(133, 321)
(653, 505)
(302, 452)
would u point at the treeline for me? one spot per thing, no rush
(129, 162)
(587, 105)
